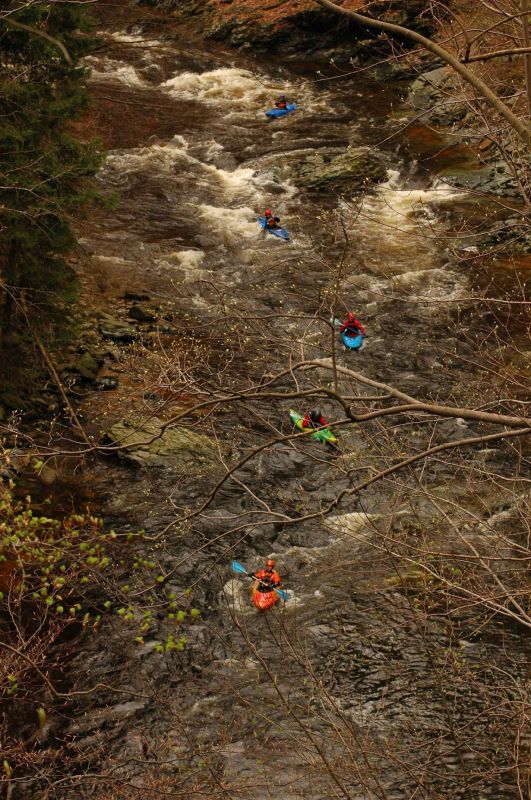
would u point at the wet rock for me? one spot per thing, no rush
(169, 330)
(143, 313)
(148, 445)
(138, 296)
(429, 90)
(13, 401)
(106, 383)
(116, 329)
(293, 27)
(87, 366)
(109, 717)
(351, 170)
(46, 475)
(12, 462)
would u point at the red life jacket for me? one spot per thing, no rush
(307, 421)
(351, 323)
(268, 579)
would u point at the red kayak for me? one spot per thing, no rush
(264, 600)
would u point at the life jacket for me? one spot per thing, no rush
(267, 580)
(352, 324)
(307, 421)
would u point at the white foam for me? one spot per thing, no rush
(227, 226)
(431, 283)
(242, 184)
(136, 38)
(225, 86)
(212, 150)
(107, 69)
(114, 259)
(189, 260)
(240, 91)
(402, 206)
(166, 155)
(238, 184)
(398, 226)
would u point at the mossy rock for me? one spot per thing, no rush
(87, 366)
(148, 445)
(350, 171)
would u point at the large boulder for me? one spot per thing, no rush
(146, 444)
(143, 313)
(436, 94)
(349, 171)
(87, 366)
(116, 329)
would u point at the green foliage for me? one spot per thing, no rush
(66, 568)
(50, 558)
(44, 167)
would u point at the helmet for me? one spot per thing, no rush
(270, 563)
(316, 414)
(282, 97)
(267, 212)
(351, 315)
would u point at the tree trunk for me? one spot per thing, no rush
(11, 275)
(527, 58)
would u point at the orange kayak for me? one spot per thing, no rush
(264, 600)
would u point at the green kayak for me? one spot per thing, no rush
(323, 435)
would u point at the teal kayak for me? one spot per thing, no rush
(324, 435)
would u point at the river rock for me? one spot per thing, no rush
(87, 366)
(351, 170)
(291, 25)
(116, 329)
(433, 92)
(143, 313)
(12, 462)
(149, 446)
(134, 295)
(46, 475)
(106, 383)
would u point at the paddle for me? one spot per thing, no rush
(240, 570)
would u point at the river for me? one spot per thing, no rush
(349, 690)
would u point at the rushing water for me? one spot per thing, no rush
(193, 161)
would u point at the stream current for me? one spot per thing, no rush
(329, 697)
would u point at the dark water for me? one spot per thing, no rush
(348, 691)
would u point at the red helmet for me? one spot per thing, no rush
(351, 315)
(267, 212)
(270, 563)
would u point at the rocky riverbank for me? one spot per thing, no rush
(291, 26)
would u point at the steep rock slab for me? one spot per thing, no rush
(352, 170)
(147, 444)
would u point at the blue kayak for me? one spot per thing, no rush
(280, 232)
(281, 112)
(352, 342)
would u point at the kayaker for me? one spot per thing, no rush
(267, 578)
(271, 220)
(281, 102)
(351, 326)
(314, 419)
